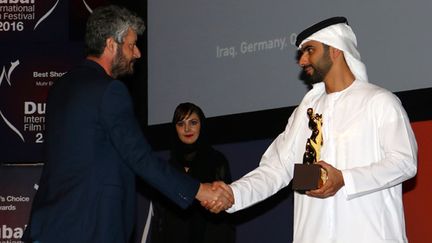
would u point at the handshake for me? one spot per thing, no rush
(216, 196)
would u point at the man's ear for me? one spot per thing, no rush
(110, 45)
(335, 53)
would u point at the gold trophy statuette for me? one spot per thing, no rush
(309, 175)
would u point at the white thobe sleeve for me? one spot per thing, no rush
(273, 173)
(397, 148)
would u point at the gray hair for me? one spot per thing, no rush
(109, 21)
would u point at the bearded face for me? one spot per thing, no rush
(126, 54)
(122, 65)
(320, 68)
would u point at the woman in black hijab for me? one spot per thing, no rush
(192, 154)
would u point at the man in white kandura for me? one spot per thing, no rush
(369, 148)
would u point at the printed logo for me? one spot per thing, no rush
(7, 232)
(6, 75)
(87, 6)
(17, 14)
(46, 15)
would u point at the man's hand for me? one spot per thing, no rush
(215, 197)
(221, 185)
(334, 182)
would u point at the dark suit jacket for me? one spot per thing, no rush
(94, 150)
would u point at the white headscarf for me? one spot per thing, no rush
(341, 36)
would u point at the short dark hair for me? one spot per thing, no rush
(109, 21)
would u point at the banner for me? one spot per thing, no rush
(36, 50)
(18, 185)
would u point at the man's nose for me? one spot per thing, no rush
(303, 61)
(137, 52)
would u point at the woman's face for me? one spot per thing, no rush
(188, 129)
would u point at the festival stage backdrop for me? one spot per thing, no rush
(18, 185)
(36, 50)
(239, 56)
(41, 40)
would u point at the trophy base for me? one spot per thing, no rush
(307, 177)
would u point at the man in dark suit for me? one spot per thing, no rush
(95, 146)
